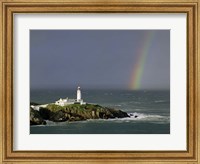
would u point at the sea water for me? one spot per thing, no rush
(151, 107)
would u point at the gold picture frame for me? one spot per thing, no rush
(10, 7)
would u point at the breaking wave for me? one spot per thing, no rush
(134, 118)
(150, 117)
(160, 101)
(137, 117)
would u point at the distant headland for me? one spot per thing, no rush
(71, 110)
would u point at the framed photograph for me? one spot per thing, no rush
(113, 81)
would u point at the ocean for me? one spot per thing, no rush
(151, 107)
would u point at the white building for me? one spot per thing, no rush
(78, 100)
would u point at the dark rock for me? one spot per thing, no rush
(58, 116)
(35, 118)
(45, 113)
(118, 113)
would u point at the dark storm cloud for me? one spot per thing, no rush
(96, 58)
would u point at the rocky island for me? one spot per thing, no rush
(73, 112)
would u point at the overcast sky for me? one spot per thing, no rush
(100, 59)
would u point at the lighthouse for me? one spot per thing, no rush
(78, 94)
(67, 101)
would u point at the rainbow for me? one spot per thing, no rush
(139, 63)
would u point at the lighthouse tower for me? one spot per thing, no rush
(78, 94)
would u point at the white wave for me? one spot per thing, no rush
(51, 123)
(150, 117)
(126, 94)
(134, 118)
(37, 125)
(159, 101)
(135, 102)
(136, 109)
